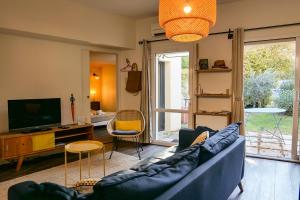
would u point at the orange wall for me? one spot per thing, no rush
(105, 87)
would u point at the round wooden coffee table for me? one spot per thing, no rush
(86, 146)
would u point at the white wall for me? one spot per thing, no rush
(68, 19)
(39, 68)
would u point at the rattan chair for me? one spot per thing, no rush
(126, 115)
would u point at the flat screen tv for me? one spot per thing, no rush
(33, 114)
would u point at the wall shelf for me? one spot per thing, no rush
(221, 113)
(213, 70)
(213, 95)
(226, 114)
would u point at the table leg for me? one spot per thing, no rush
(89, 163)
(66, 160)
(80, 166)
(103, 152)
(20, 162)
(277, 129)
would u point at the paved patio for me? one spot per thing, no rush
(263, 143)
(258, 143)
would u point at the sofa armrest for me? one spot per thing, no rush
(186, 137)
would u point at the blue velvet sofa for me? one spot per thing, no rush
(207, 171)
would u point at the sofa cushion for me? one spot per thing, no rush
(151, 181)
(201, 129)
(119, 132)
(145, 163)
(187, 136)
(218, 142)
(45, 191)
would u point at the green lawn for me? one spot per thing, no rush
(260, 122)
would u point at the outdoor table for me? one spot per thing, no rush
(277, 116)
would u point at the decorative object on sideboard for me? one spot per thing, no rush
(219, 64)
(203, 64)
(72, 100)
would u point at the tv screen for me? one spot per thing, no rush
(33, 113)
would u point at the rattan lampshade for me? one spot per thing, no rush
(187, 20)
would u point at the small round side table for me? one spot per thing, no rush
(86, 146)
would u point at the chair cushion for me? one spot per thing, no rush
(128, 125)
(221, 140)
(151, 181)
(119, 132)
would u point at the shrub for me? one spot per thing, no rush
(285, 98)
(258, 89)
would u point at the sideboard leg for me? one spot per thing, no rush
(20, 162)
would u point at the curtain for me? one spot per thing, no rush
(238, 78)
(145, 105)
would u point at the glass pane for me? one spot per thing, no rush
(168, 125)
(172, 80)
(269, 91)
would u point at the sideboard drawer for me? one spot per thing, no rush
(14, 147)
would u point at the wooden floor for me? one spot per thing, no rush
(264, 179)
(269, 180)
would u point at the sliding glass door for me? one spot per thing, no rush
(172, 95)
(271, 93)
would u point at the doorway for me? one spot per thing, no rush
(103, 92)
(103, 82)
(270, 85)
(172, 95)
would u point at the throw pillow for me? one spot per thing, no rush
(130, 125)
(219, 141)
(201, 138)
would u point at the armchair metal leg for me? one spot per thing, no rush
(141, 145)
(113, 147)
(138, 147)
(117, 143)
(241, 187)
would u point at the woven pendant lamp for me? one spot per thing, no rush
(187, 20)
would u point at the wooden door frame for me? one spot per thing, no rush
(170, 47)
(295, 132)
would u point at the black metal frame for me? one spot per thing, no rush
(230, 35)
(116, 144)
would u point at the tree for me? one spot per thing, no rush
(275, 57)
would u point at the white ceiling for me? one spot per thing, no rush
(129, 8)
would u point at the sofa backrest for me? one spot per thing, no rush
(213, 180)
